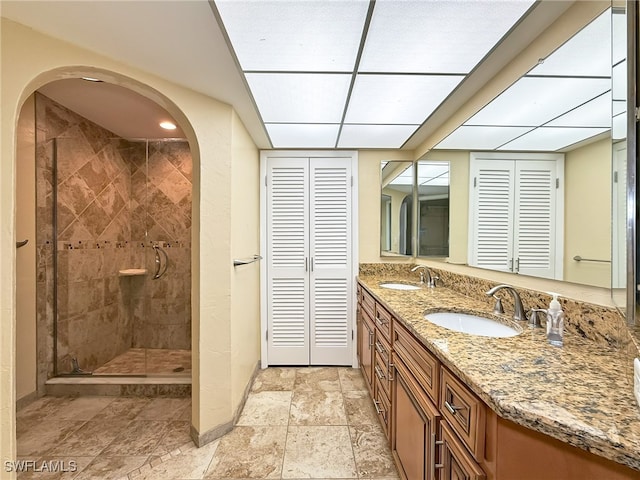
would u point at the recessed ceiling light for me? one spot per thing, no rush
(91, 79)
(168, 125)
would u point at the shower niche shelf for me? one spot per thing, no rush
(132, 272)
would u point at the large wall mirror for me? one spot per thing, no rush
(573, 103)
(403, 185)
(562, 106)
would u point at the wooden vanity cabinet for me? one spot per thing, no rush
(439, 429)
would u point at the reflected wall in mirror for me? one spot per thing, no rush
(396, 212)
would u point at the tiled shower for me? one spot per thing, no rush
(103, 204)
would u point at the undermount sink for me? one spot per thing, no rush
(472, 324)
(399, 286)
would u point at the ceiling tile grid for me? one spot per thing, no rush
(355, 73)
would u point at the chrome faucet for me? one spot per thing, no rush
(518, 309)
(431, 282)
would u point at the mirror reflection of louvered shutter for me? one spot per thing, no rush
(492, 215)
(331, 285)
(514, 205)
(287, 258)
(535, 218)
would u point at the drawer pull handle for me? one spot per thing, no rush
(390, 368)
(381, 321)
(452, 408)
(381, 350)
(433, 463)
(380, 373)
(371, 334)
(378, 409)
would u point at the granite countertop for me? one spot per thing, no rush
(575, 393)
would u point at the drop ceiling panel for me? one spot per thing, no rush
(302, 136)
(398, 99)
(433, 174)
(532, 101)
(300, 97)
(586, 54)
(375, 136)
(551, 138)
(469, 137)
(596, 113)
(275, 35)
(436, 36)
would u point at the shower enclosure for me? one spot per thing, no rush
(115, 263)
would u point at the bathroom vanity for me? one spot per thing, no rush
(460, 406)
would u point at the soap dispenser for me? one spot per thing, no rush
(555, 322)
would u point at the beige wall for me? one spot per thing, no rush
(245, 242)
(29, 60)
(587, 219)
(26, 256)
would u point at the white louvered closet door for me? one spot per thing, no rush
(492, 215)
(309, 261)
(287, 261)
(330, 249)
(535, 210)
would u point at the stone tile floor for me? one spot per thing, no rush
(297, 423)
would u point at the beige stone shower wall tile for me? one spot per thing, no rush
(175, 187)
(94, 174)
(75, 193)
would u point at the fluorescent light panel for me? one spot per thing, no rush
(375, 136)
(619, 37)
(398, 99)
(551, 138)
(276, 35)
(302, 136)
(300, 97)
(469, 137)
(532, 101)
(436, 36)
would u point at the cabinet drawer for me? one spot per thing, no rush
(422, 364)
(383, 321)
(455, 461)
(464, 411)
(383, 409)
(368, 303)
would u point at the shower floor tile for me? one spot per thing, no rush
(148, 361)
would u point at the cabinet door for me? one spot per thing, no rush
(366, 338)
(457, 464)
(414, 421)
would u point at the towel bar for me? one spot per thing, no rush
(255, 258)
